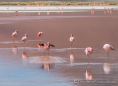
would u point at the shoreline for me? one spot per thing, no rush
(54, 8)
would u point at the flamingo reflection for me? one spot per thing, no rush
(71, 57)
(88, 73)
(107, 67)
(15, 49)
(46, 63)
(24, 56)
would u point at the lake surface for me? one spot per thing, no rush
(64, 66)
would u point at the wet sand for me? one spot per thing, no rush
(28, 66)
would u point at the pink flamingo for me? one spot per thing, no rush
(88, 51)
(46, 46)
(71, 40)
(107, 48)
(39, 34)
(14, 34)
(24, 39)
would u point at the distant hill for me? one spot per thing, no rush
(59, 0)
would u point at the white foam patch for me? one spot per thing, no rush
(35, 49)
(75, 64)
(34, 40)
(66, 49)
(9, 42)
(19, 41)
(46, 59)
(94, 64)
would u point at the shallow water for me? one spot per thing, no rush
(27, 65)
(16, 69)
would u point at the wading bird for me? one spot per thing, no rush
(107, 48)
(39, 34)
(88, 51)
(46, 46)
(14, 35)
(71, 40)
(24, 39)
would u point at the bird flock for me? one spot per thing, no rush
(46, 46)
(88, 51)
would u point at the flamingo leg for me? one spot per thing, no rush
(44, 52)
(39, 39)
(107, 54)
(89, 61)
(14, 40)
(71, 51)
(24, 48)
(89, 56)
(48, 52)
(71, 44)
(24, 44)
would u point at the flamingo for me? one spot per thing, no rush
(24, 39)
(14, 34)
(107, 48)
(39, 34)
(46, 46)
(88, 51)
(71, 40)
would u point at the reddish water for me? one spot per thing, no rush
(28, 66)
